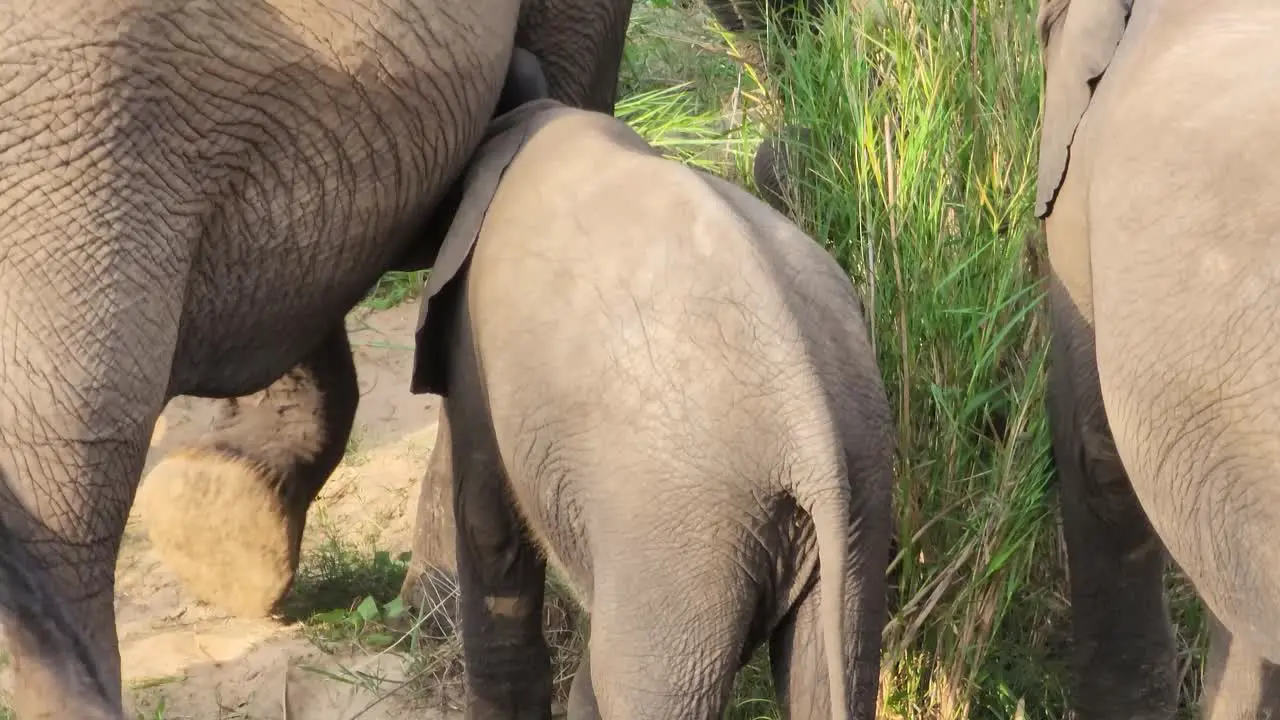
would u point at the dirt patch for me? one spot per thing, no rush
(183, 659)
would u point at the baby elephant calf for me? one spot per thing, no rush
(664, 388)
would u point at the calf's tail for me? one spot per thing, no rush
(829, 509)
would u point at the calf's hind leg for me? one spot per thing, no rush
(669, 625)
(1239, 683)
(797, 647)
(227, 512)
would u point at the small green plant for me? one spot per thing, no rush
(394, 288)
(355, 454)
(369, 622)
(753, 697)
(157, 713)
(670, 46)
(337, 578)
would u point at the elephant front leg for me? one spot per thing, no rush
(502, 580)
(227, 512)
(1124, 649)
(1239, 683)
(579, 58)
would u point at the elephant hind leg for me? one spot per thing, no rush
(1239, 683)
(669, 630)
(582, 694)
(227, 512)
(799, 662)
(1124, 651)
(797, 647)
(501, 575)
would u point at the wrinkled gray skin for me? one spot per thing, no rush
(1158, 190)
(38, 625)
(688, 423)
(194, 194)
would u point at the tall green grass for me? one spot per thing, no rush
(920, 179)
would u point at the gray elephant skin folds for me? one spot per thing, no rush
(659, 385)
(1158, 186)
(197, 193)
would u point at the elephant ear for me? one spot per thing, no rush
(458, 221)
(1079, 38)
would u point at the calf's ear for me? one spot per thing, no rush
(1078, 39)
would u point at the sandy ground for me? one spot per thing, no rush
(182, 659)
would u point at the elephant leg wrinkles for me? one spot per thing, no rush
(638, 629)
(580, 59)
(1124, 648)
(77, 409)
(233, 504)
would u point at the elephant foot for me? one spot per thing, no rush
(227, 512)
(221, 524)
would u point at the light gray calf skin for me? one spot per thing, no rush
(685, 418)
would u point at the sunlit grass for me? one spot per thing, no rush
(920, 179)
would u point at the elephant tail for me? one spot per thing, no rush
(43, 633)
(829, 509)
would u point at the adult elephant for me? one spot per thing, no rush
(194, 193)
(1157, 182)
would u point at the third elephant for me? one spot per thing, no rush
(1159, 183)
